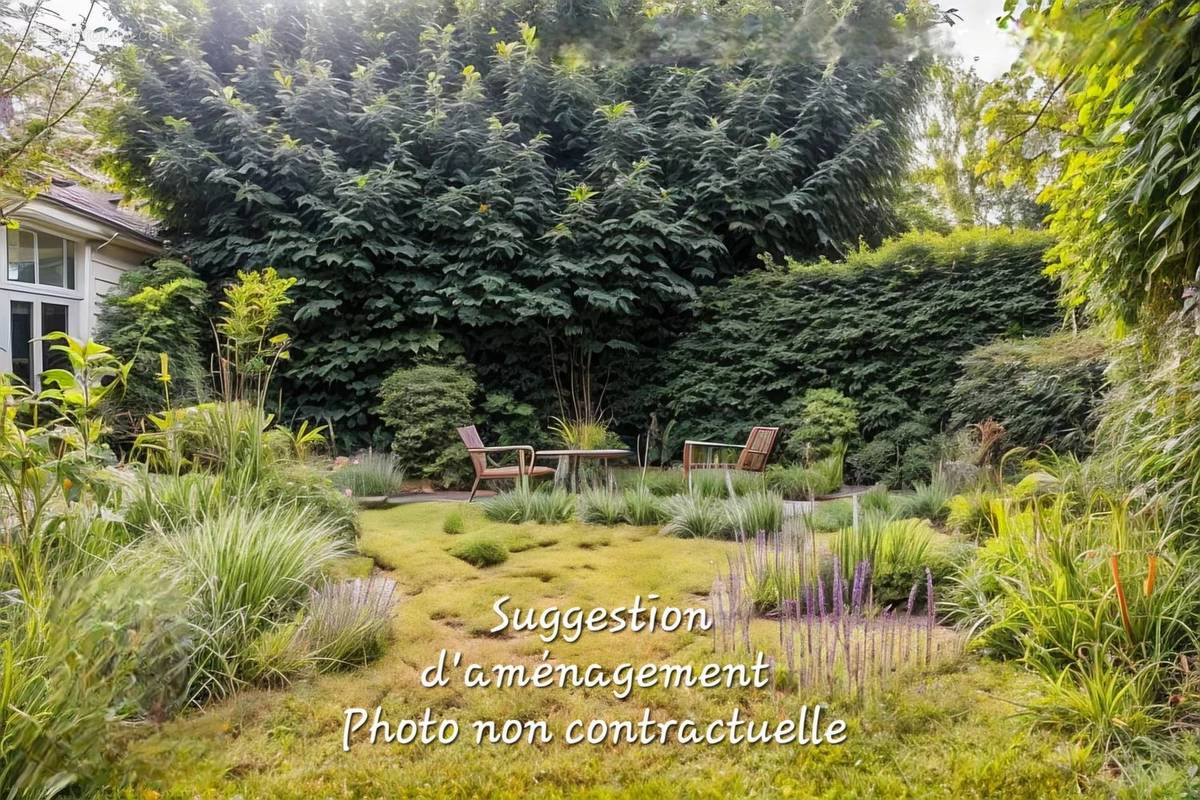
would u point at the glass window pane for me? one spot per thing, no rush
(70, 259)
(20, 256)
(22, 331)
(54, 319)
(50, 260)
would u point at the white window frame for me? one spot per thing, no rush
(36, 293)
(40, 288)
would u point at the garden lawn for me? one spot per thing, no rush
(952, 735)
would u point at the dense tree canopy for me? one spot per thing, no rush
(537, 185)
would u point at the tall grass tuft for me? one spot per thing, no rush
(601, 507)
(349, 622)
(758, 512)
(547, 506)
(247, 568)
(697, 516)
(929, 501)
(370, 475)
(643, 507)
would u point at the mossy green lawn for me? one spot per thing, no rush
(953, 734)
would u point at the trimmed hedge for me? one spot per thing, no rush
(1043, 391)
(887, 328)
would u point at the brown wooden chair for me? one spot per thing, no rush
(753, 457)
(489, 472)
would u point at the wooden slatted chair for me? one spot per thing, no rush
(484, 471)
(754, 455)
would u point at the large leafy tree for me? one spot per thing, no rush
(541, 185)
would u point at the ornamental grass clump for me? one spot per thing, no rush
(247, 568)
(757, 512)
(370, 475)
(481, 552)
(698, 517)
(547, 506)
(644, 507)
(929, 501)
(349, 622)
(601, 507)
(454, 524)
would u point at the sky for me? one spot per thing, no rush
(976, 37)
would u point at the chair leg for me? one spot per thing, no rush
(474, 488)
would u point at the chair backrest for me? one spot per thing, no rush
(759, 445)
(470, 438)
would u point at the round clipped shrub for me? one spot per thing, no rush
(481, 553)
(819, 419)
(423, 406)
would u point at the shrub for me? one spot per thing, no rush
(695, 516)
(312, 490)
(453, 524)
(818, 420)
(644, 507)
(481, 552)
(898, 457)
(370, 475)
(888, 327)
(601, 507)
(757, 512)
(155, 309)
(1044, 391)
(423, 406)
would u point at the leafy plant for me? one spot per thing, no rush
(973, 512)
(155, 310)
(929, 501)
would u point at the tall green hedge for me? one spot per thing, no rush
(1043, 390)
(887, 328)
(491, 178)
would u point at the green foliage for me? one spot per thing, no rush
(156, 309)
(818, 420)
(481, 552)
(756, 512)
(659, 482)
(897, 457)
(1043, 391)
(887, 329)
(831, 516)
(601, 507)
(644, 507)
(929, 501)
(822, 477)
(454, 524)
(423, 406)
(449, 177)
(247, 567)
(546, 506)
(370, 475)
(696, 516)
(974, 512)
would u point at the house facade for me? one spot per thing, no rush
(67, 249)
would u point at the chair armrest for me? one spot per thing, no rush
(503, 449)
(690, 443)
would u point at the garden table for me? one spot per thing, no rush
(568, 463)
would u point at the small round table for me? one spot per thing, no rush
(568, 463)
